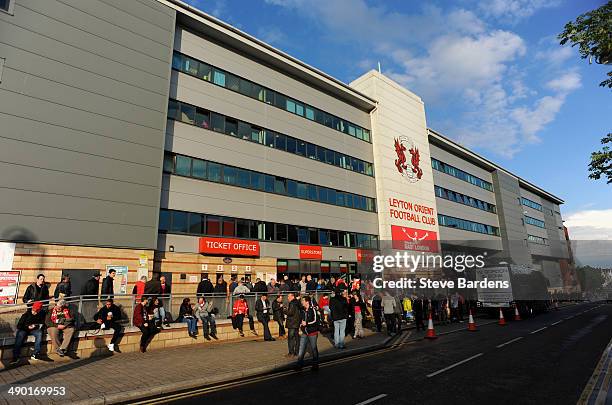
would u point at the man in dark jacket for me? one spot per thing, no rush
(63, 289)
(108, 317)
(205, 287)
(153, 287)
(108, 288)
(377, 311)
(311, 285)
(309, 325)
(293, 325)
(278, 314)
(90, 300)
(37, 291)
(338, 306)
(260, 286)
(263, 308)
(30, 323)
(92, 286)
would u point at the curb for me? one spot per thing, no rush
(141, 394)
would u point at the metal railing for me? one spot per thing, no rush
(84, 307)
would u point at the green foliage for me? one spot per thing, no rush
(592, 33)
(601, 161)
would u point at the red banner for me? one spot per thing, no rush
(365, 256)
(229, 247)
(311, 252)
(419, 240)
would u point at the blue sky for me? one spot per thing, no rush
(491, 73)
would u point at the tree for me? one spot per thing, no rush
(592, 32)
(601, 161)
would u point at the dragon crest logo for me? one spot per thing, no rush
(412, 172)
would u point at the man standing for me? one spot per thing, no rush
(89, 291)
(30, 323)
(241, 289)
(108, 284)
(263, 309)
(377, 311)
(339, 313)
(63, 288)
(309, 325)
(293, 325)
(205, 286)
(139, 288)
(388, 304)
(239, 311)
(418, 310)
(60, 321)
(203, 312)
(108, 317)
(37, 291)
(278, 314)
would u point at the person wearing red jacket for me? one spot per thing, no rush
(143, 320)
(240, 310)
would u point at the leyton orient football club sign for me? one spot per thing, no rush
(409, 169)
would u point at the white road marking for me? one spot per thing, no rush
(556, 323)
(508, 342)
(454, 365)
(368, 401)
(537, 330)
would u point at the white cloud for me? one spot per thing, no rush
(514, 10)
(555, 55)
(590, 225)
(271, 35)
(565, 83)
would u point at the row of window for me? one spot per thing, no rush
(531, 204)
(200, 117)
(537, 239)
(204, 71)
(460, 174)
(534, 222)
(464, 199)
(466, 225)
(213, 225)
(205, 170)
(314, 266)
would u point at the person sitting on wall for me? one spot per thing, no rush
(187, 316)
(60, 321)
(108, 317)
(204, 311)
(30, 323)
(143, 320)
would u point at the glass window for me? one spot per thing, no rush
(366, 135)
(292, 188)
(257, 181)
(213, 225)
(179, 222)
(340, 198)
(321, 154)
(299, 109)
(229, 227)
(265, 231)
(312, 192)
(177, 60)
(243, 228)
(258, 92)
(313, 236)
(310, 113)
(290, 106)
(270, 96)
(214, 172)
(329, 156)
(291, 144)
(164, 220)
(269, 136)
(292, 234)
(173, 109)
(168, 163)
(280, 142)
(204, 71)
(202, 118)
(229, 175)
(311, 151)
(303, 235)
(269, 184)
(320, 117)
(232, 82)
(281, 233)
(191, 66)
(348, 200)
(196, 223)
(198, 169)
(244, 178)
(187, 113)
(183, 166)
(280, 185)
(246, 88)
(301, 190)
(359, 132)
(217, 122)
(244, 130)
(323, 194)
(257, 135)
(360, 166)
(333, 238)
(323, 237)
(331, 196)
(301, 148)
(219, 77)
(280, 101)
(231, 127)
(351, 130)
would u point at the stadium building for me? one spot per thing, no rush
(152, 138)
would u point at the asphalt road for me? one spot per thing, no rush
(546, 359)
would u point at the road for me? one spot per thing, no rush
(546, 359)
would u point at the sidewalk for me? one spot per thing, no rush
(128, 376)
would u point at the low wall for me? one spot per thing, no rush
(92, 345)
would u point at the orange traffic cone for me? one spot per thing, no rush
(471, 324)
(502, 320)
(517, 316)
(431, 334)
